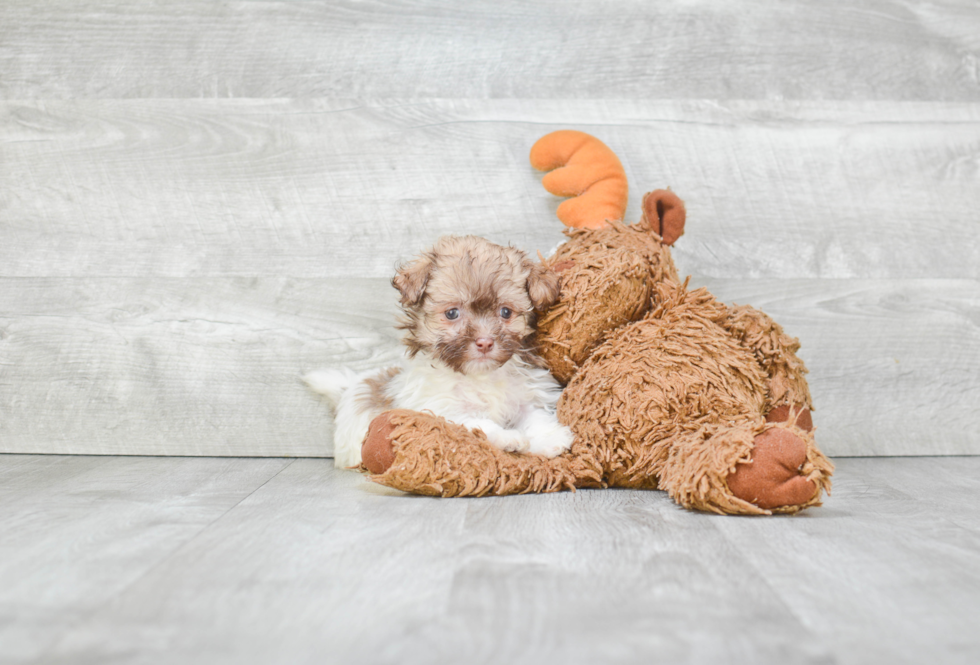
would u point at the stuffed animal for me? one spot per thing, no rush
(666, 388)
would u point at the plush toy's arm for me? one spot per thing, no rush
(582, 167)
(425, 454)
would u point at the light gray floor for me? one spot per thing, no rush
(225, 560)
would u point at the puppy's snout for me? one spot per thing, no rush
(484, 344)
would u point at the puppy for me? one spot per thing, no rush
(469, 310)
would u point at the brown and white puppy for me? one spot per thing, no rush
(469, 312)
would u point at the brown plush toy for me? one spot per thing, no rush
(666, 387)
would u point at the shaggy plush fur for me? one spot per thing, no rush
(617, 266)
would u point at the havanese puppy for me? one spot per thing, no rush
(469, 310)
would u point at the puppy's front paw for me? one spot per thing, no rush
(550, 441)
(510, 440)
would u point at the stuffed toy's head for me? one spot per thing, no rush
(607, 268)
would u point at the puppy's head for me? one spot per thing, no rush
(471, 303)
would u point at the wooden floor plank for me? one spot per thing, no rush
(911, 565)
(78, 531)
(307, 563)
(605, 576)
(321, 563)
(27, 475)
(941, 486)
(617, 49)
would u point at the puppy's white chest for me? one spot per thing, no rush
(494, 398)
(499, 396)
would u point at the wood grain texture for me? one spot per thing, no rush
(211, 366)
(618, 49)
(913, 563)
(893, 363)
(180, 366)
(190, 192)
(317, 188)
(79, 531)
(255, 561)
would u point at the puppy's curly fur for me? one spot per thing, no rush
(477, 280)
(469, 309)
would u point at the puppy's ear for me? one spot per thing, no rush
(411, 278)
(542, 286)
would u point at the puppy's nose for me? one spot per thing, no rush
(484, 344)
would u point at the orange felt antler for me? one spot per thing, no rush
(582, 166)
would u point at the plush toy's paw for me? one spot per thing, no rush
(377, 454)
(772, 479)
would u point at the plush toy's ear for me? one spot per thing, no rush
(411, 278)
(664, 212)
(542, 287)
(585, 168)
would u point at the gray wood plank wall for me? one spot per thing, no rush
(200, 201)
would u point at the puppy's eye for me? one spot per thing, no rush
(452, 314)
(505, 312)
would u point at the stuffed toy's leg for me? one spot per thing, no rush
(425, 454)
(679, 399)
(736, 470)
(779, 470)
(775, 351)
(788, 403)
